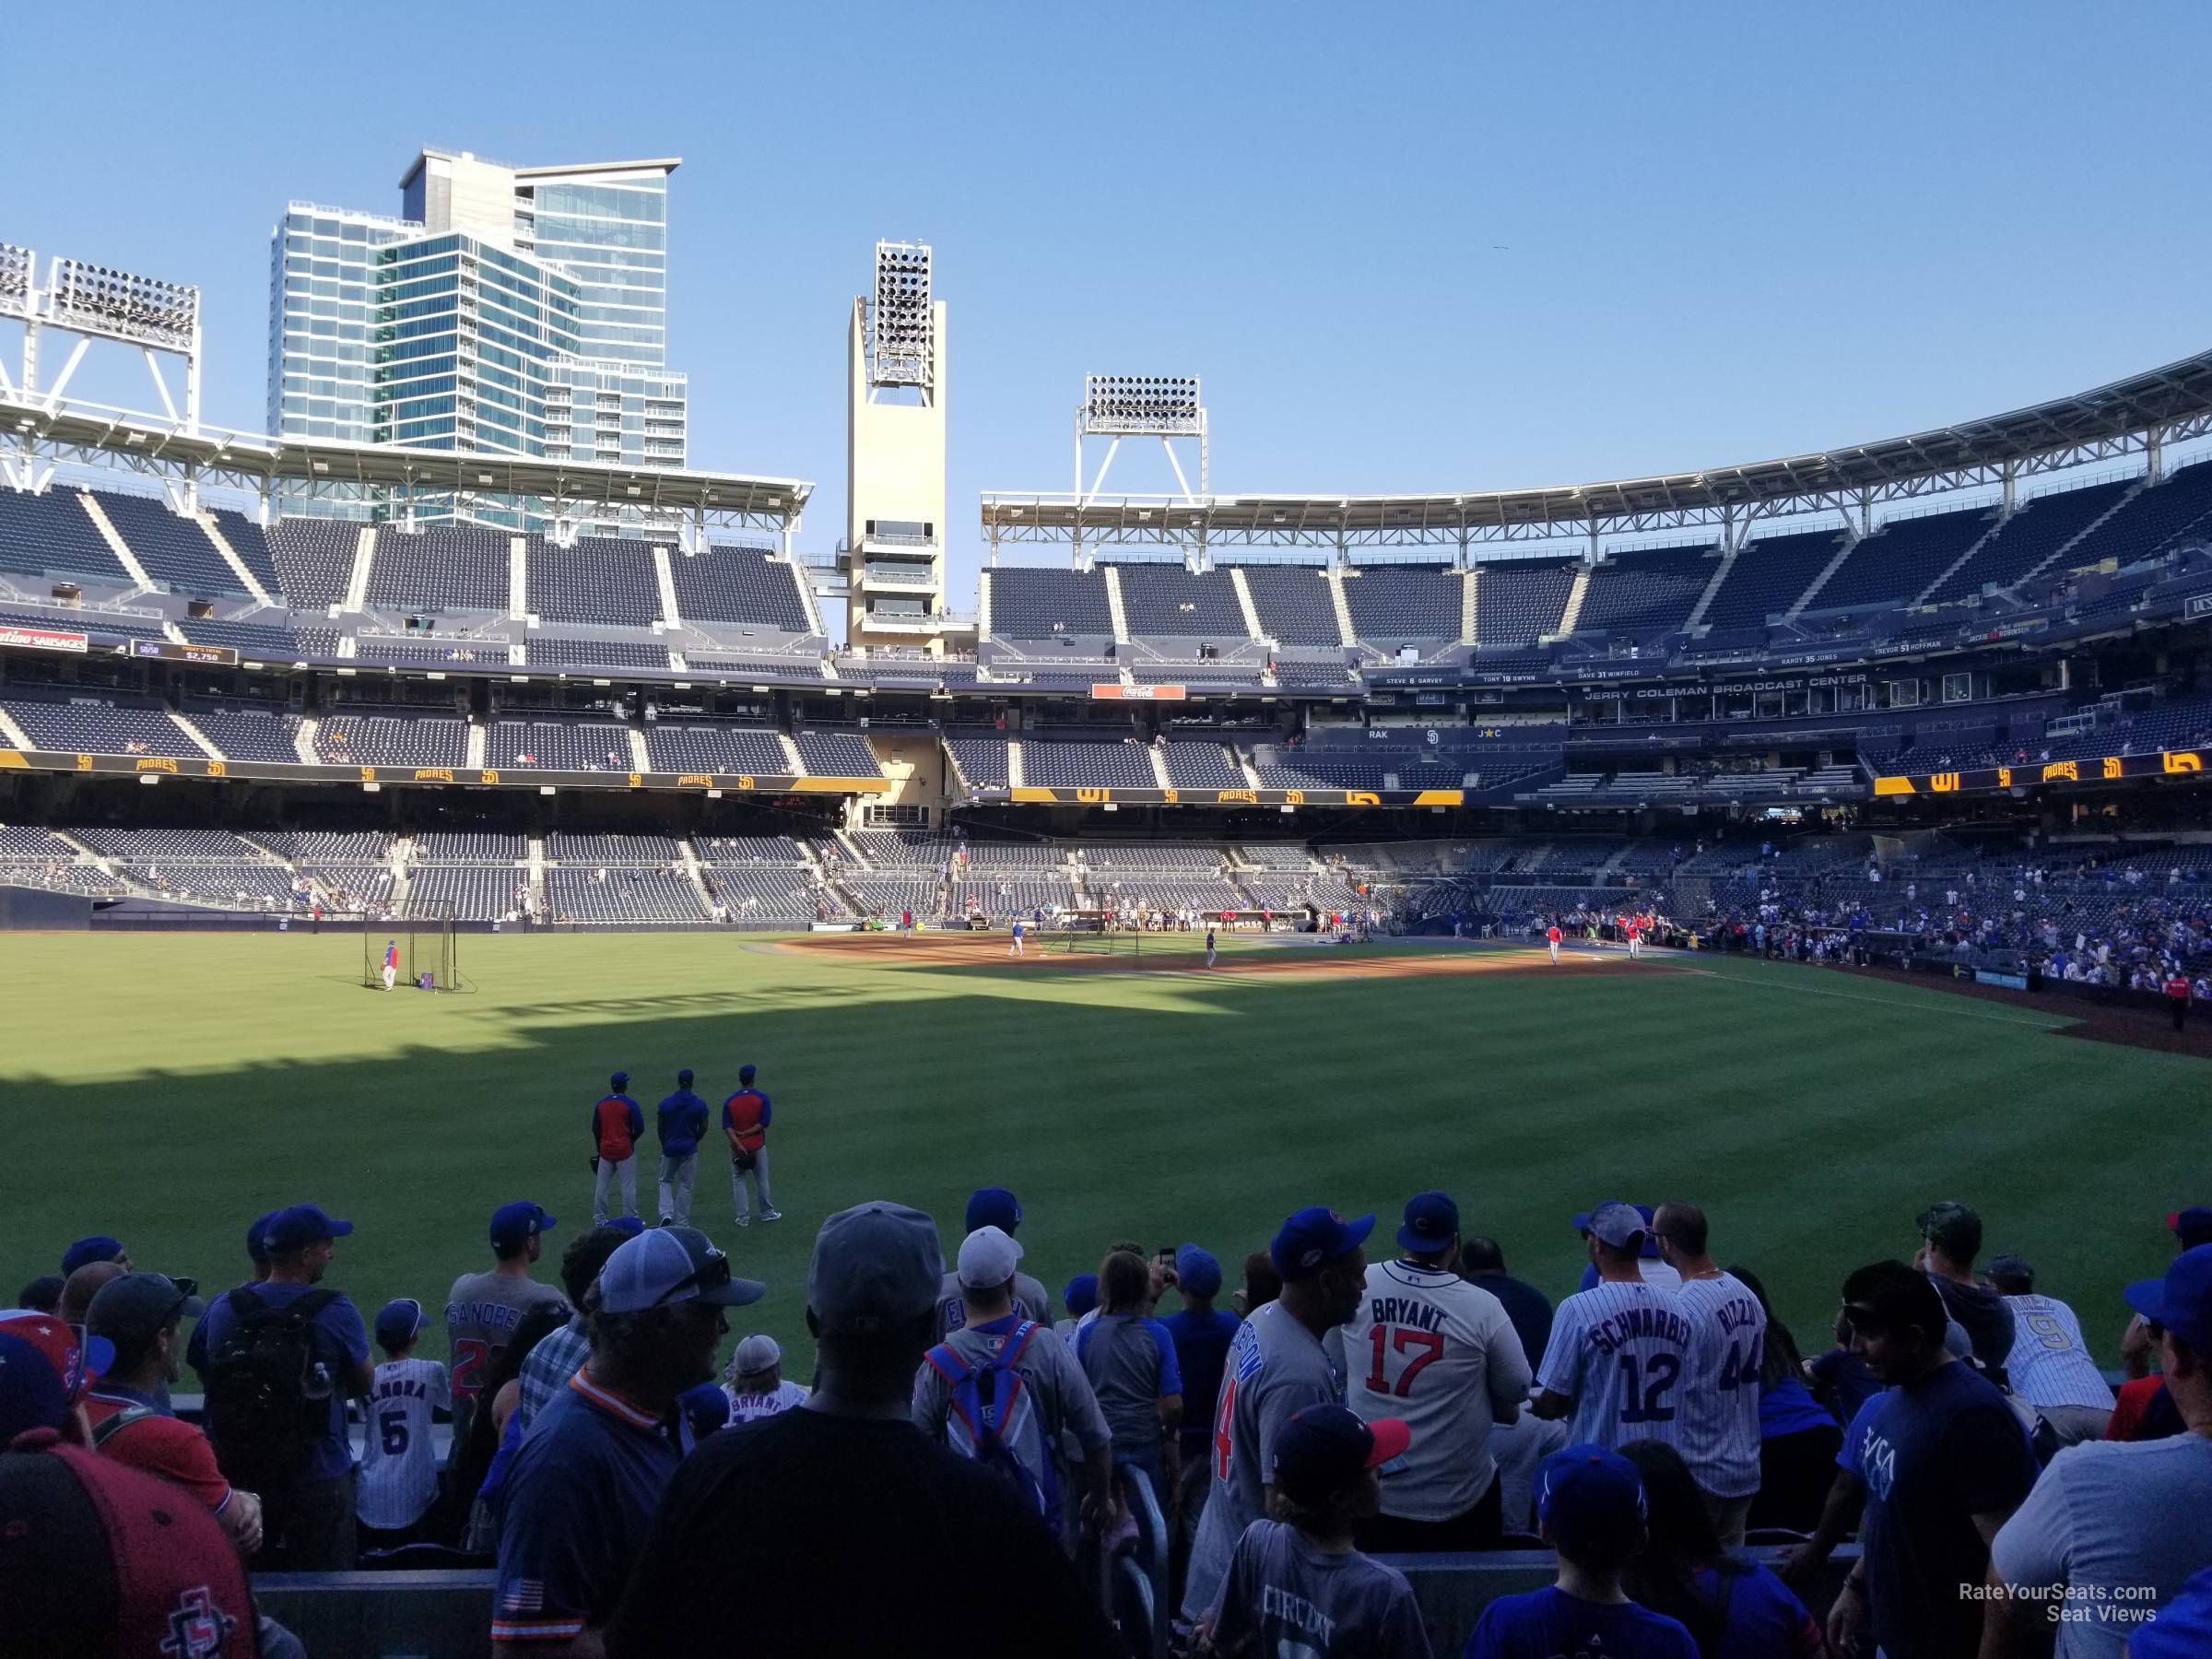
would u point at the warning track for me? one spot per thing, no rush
(1303, 962)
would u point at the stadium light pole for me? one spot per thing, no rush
(1168, 407)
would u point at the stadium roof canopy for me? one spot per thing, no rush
(171, 451)
(2141, 413)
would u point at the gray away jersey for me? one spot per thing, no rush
(1621, 1352)
(1275, 1369)
(1717, 1431)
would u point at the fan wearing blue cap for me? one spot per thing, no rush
(1590, 1506)
(2121, 1527)
(991, 1206)
(1297, 1582)
(483, 1309)
(1277, 1368)
(1427, 1346)
(584, 1486)
(308, 1512)
(1619, 1352)
(98, 1248)
(1654, 1266)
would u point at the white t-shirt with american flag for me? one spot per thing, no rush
(1717, 1431)
(1430, 1349)
(399, 1465)
(1621, 1352)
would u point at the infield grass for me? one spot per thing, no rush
(168, 1089)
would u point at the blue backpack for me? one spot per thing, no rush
(995, 1421)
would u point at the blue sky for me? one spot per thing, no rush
(1408, 247)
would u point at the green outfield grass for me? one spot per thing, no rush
(167, 1089)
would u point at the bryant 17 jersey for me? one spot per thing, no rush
(1439, 1354)
(1621, 1352)
(1718, 1431)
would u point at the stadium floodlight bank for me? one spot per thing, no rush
(900, 332)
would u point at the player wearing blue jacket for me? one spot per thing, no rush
(682, 1124)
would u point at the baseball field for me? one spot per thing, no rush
(167, 1089)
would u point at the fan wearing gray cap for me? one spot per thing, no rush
(141, 1315)
(2050, 1365)
(1618, 1350)
(755, 1382)
(850, 1525)
(583, 1489)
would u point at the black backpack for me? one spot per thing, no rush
(268, 1394)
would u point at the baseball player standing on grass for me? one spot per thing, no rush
(1615, 1369)
(745, 1119)
(1718, 1431)
(1430, 1349)
(1551, 937)
(681, 1123)
(618, 1125)
(391, 962)
(1015, 949)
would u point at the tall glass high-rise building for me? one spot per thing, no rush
(517, 310)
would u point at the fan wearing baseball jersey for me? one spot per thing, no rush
(1717, 1432)
(1277, 1368)
(1430, 1350)
(398, 1483)
(1615, 1367)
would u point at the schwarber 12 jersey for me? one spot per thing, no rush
(1440, 1354)
(1717, 1432)
(1619, 1352)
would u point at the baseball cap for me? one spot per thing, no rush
(1080, 1294)
(1195, 1271)
(102, 1559)
(876, 1266)
(32, 1395)
(2012, 1273)
(629, 1227)
(514, 1225)
(1617, 1224)
(620, 1081)
(705, 1407)
(73, 1358)
(1431, 1223)
(756, 1354)
(1592, 1499)
(2192, 1226)
(683, 1078)
(665, 1266)
(1324, 1449)
(1314, 1237)
(397, 1322)
(300, 1225)
(139, 1304)
(987, 1258)
(98, 1248)
(1581, 1224)
(747, 1073)
(994, 1206)
(257, 1244)
(2181, 1301)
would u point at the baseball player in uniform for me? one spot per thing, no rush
(618, 1125)
(745, 1119)
(1551, 937)
(1210, 946)
(391, 962)
(1635, 936)
(1717, 1431)
(1616, 1366)
(680, 1120)
(1015, 949)
(1438, 1353)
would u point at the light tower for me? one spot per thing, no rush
(894, 551)
(1166, 407)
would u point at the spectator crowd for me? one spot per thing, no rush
(950, 1470)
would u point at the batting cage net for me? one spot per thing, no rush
(1090, 938)
(423, 952)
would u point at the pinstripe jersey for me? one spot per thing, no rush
(1717, 1431)
(1619, 1352)
(398, 1480)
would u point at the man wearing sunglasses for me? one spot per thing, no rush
(585, 1486)
(1945, 1463)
